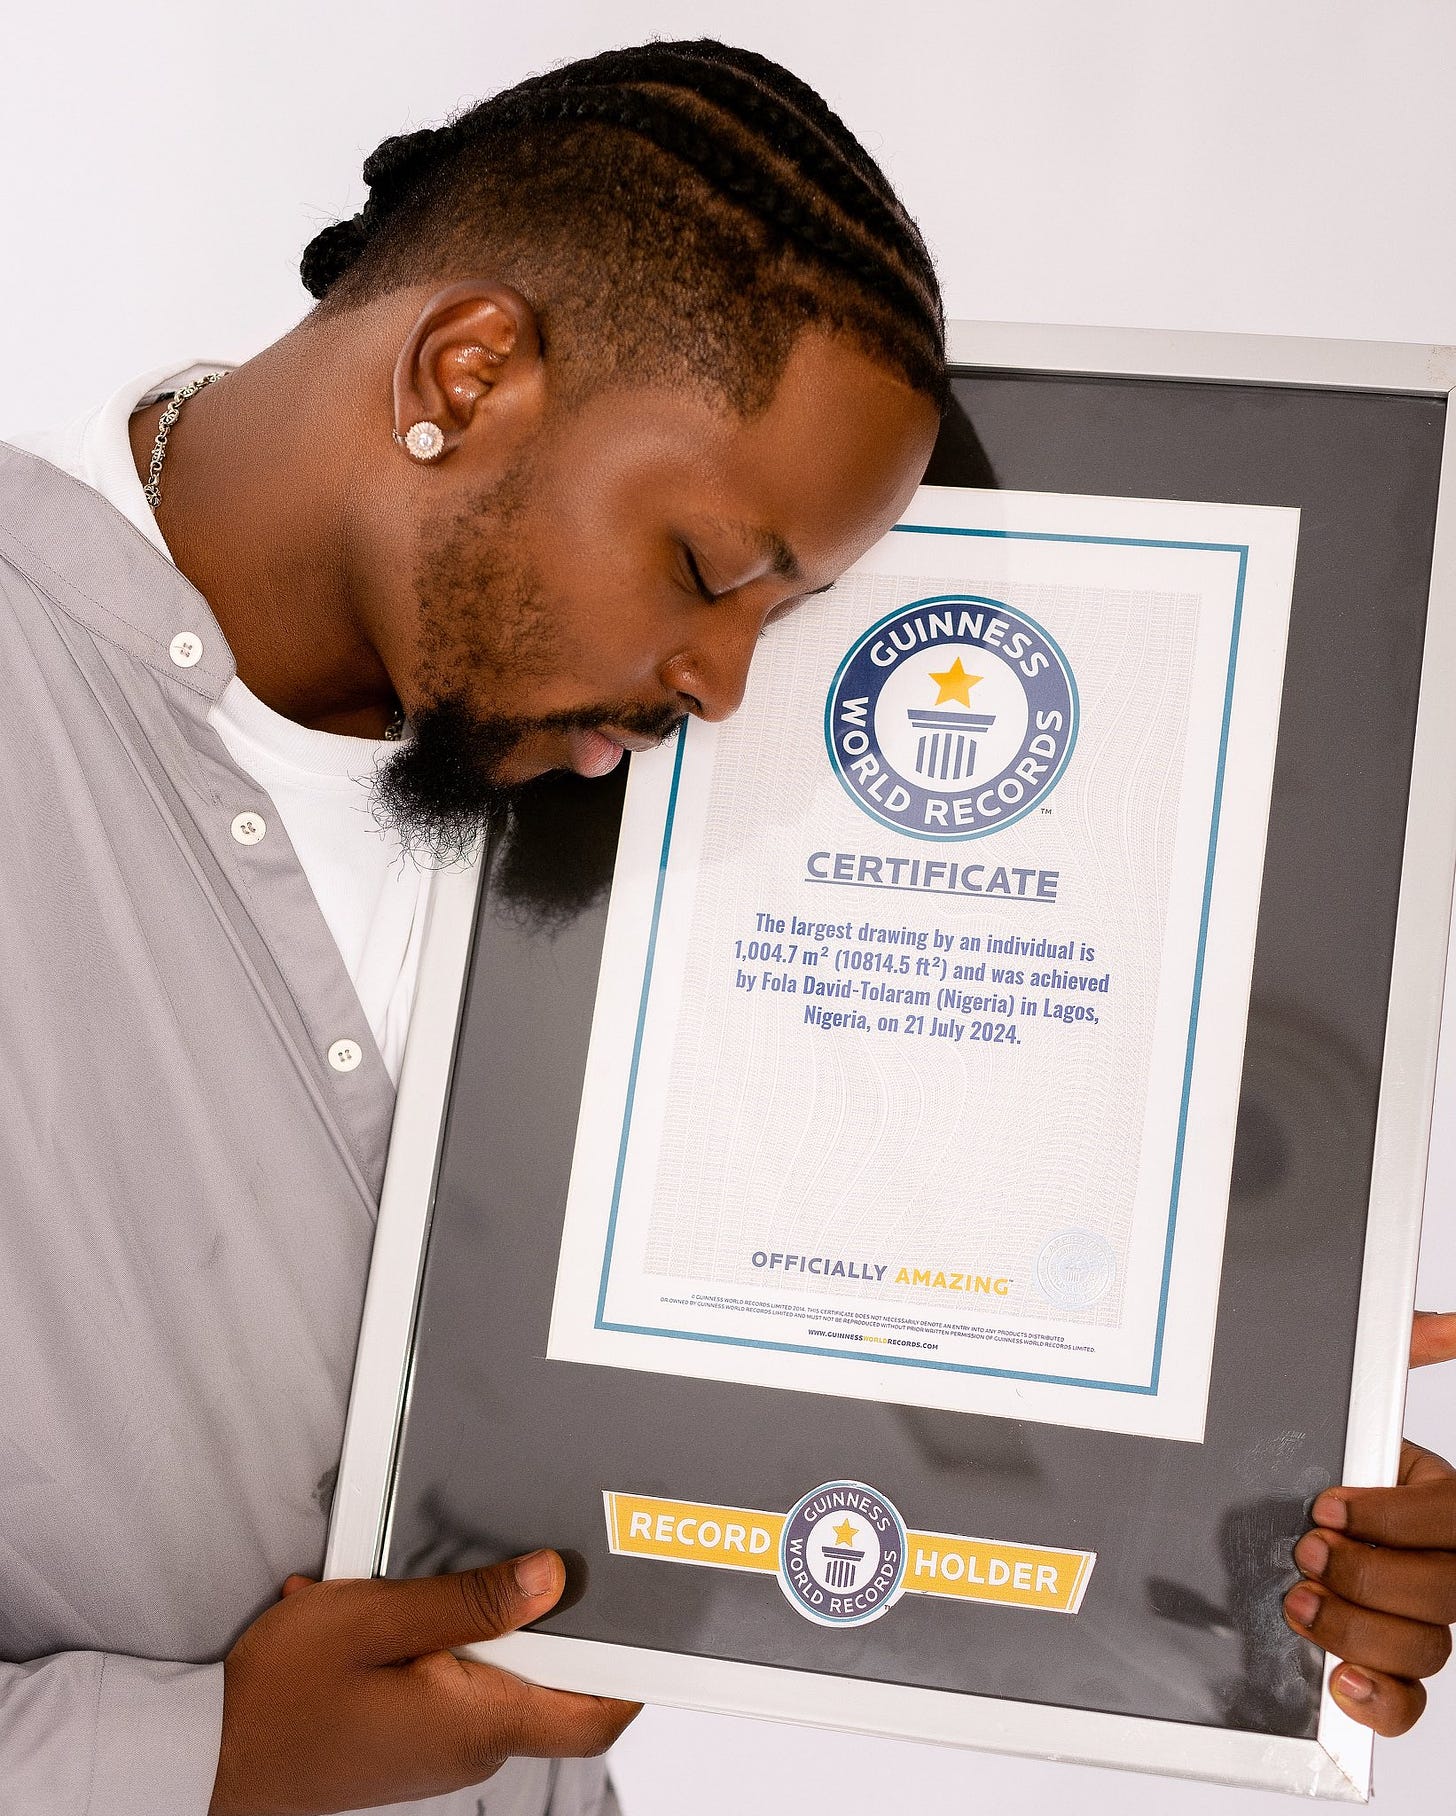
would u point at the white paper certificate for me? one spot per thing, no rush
(916, 1052)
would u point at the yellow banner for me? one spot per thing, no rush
(688, 1532)
(986, 1570)
(936, 1563)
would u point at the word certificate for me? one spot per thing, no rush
(916, 1052)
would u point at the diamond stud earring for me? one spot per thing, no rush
(423, 440)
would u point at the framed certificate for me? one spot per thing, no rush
(915, 1191)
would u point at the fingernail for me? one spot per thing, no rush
(1312, 1554)
(1329, 1510)
(1302, 1604)
(536, 1574)
(1354, 1684)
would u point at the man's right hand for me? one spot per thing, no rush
(346, 1694)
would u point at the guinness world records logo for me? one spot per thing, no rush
(952, 717)
(842, 1554)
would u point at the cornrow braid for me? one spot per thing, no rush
(821, 149)
(692, 56)
(663, 125)
(811, 104)
(725, 205)
(391, 170)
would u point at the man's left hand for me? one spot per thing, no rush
(1380, 1573)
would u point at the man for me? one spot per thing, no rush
(607, 376)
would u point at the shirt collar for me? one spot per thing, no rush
(64, 537)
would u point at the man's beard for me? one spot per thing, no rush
(483, 625)
(439, 791)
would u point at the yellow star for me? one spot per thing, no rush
(954, 684)
(845, 1534)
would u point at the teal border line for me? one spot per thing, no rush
(965, 1368)
(682, 738)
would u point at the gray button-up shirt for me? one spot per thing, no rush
(187, 1187)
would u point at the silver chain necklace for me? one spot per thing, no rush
(153, 486)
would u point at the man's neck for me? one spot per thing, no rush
(255, 505)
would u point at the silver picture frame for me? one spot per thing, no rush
(1336, 1763)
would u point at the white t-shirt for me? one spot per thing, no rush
(372, 895)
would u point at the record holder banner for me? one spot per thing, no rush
(831, 1583)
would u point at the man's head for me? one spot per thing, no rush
(686, 352)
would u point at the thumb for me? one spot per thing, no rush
(1433, 1338)
(436, 1613)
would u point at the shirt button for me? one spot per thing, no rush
(185, 649)
(344, 1055)
(248, 828)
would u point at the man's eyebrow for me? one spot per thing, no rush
(780, 557)
(784, 561)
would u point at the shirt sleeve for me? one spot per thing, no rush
(99, 1734)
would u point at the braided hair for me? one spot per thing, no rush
(673, 210)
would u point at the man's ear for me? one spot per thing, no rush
(471, 361)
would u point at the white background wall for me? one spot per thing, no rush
(1270, 166)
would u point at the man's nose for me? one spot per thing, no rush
(710, 678)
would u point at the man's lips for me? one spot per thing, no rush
(597, 753)
(592, 753)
